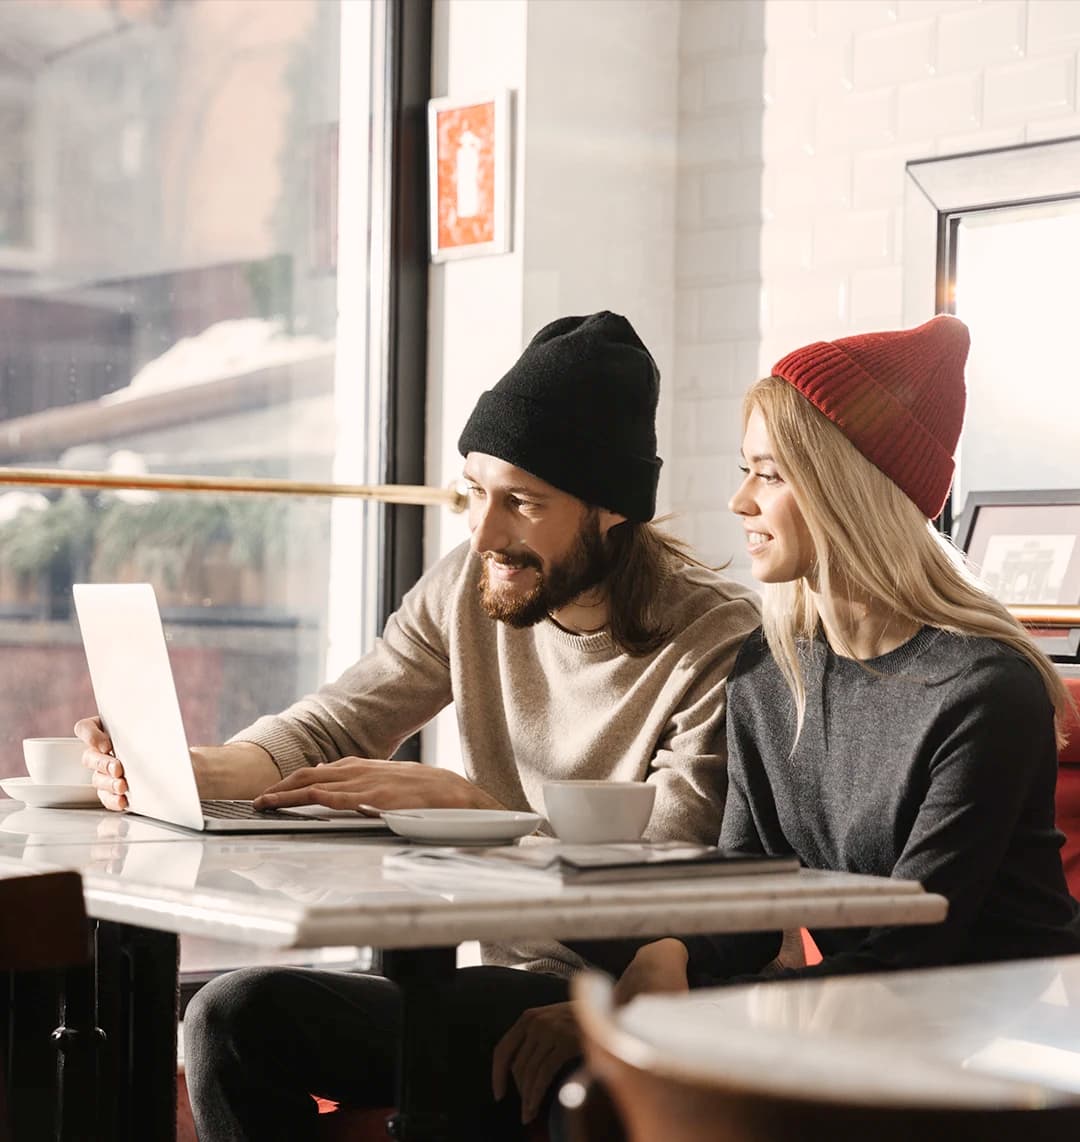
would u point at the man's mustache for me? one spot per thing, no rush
(518, 560)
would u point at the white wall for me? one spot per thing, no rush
(476, 305)
(717, 268)
(599, 193)
(850, 91)
(730, 173)
(595, 86)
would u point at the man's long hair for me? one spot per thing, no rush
(641, 556)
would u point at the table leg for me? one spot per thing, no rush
(423, 975)
(78, 1040)
(138, 1006)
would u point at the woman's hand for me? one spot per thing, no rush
(369, 786)
(533, 1051)
(656, 968)
(108, 776)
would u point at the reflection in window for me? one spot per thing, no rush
(191, 206)
(174, 170)
(16, 165)
(1015, 288)
(244, 617)
(185, 322)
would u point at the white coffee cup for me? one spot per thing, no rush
(598, 812)
(56, 761)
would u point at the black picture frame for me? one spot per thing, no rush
(1025, 547)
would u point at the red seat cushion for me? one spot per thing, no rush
(1067, 795)
(1070, 752)
(1067, 812)
(352, 1125)
(811, 953)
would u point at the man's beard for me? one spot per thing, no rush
(584, 566)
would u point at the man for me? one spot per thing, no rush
(606, 659)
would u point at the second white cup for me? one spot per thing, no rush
(56, 761)
(598, 812)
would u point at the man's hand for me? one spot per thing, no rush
(369, 786)
(657, 967)
(108, 776)
(239, 770)
(534, 1050)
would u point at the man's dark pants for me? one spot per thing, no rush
(259, 1042)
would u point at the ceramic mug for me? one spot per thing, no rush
(56, 761)
(598, 812)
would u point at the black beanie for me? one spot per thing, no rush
(578, 410)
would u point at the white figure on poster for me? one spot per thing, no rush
(468, 175)
(1028, 568)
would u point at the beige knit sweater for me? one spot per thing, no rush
(540, 703)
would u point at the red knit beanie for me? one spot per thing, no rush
(897, 396)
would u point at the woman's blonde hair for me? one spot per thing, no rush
(871, 540)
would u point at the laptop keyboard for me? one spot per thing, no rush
(245, 811)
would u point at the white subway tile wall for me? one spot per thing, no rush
(1052, 25)
(876, 297)
(980, 37)
(897, 53)
(879, 173)
(791, 193)
(939, 106)
(1019, 91)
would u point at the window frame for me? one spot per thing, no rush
(397, 375)
(940, 192)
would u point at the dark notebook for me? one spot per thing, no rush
(586, 864)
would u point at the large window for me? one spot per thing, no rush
(1015, 288)
(995, 236)
(202, 246)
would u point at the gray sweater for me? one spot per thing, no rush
(936, 763)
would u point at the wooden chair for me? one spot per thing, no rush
(44, 922)
(43, 929)
(657, 1099)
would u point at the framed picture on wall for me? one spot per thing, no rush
(469, 171)
(1025, 547)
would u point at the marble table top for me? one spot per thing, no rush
(294, 891)
(994, 1034)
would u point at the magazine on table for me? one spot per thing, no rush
(587, 864)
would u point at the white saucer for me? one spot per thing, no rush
(51, 796)
(461, 826)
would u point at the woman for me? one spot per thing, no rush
(889, 717)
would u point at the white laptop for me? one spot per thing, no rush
(136, 700)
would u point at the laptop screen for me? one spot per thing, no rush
(136, 698)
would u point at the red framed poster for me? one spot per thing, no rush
(469, 161)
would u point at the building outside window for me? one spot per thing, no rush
(181, 293)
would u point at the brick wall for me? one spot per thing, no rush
(796, 120)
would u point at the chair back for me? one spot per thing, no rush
(660, 1099)
(44, 922)
(43, 928)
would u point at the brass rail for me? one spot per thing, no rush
(422, 495)
(1047, 617)
(1042, 617)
